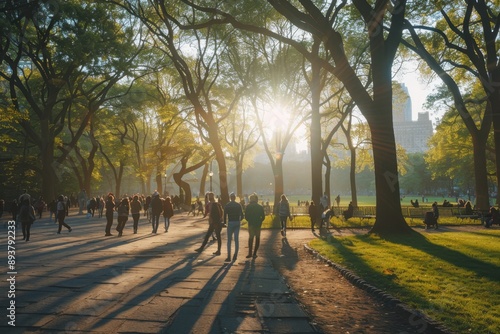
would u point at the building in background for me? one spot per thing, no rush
(411, 135)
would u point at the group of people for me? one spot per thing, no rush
(231, 216)
(24, 212)
(154, 207)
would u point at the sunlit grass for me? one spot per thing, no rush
(451, 276)
(337, 222)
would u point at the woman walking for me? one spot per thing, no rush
(61, 214)
(168, 212)
(284, 213)
(110, 208)
(255, 215)
(26, 217)
(135, 209)
(123, 211)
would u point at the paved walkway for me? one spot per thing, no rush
(82, 281)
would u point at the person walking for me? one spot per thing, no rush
(61, 214)
(284, 213)
(13, 210)
(312, 214)
(435, 212)
(255, 215)
(215, 215)
(110, 209)
(52, 206)
(40, 206)
(123, 211)
(26, 217)
(156, 210)
(168, 212)
(233, 214)
(135, 209)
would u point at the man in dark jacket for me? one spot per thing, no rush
(233, 214)
(215, 216)
(156, 210)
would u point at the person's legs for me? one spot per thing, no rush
(109, 223)
(167, 223)
(205, 240)
(236, 240)
(60, 219)
(283, 220)
(230, 232)
(218, 229)
(251, 236)
(257, 243)
(155, 222)
(28, 228)
(121, 225)
(67, 226)
(135, 216)
(23, 226)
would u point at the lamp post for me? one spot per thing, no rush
(211, 173)
(165, 186)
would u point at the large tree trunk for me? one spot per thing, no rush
(239, 178)
(278, 182)
(480, 172)
(389, 217)
(496, 137)
(315, 129)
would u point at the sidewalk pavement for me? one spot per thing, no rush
(82, 281)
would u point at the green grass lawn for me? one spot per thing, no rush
(453, 277)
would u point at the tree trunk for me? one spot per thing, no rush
(496, 137)
(158, 179)
(315, 129)
(278, 182)
(185, 188)
(389, 217)
(352, 177)
(328, 171)
(480, 172)
(203, 180)
(239, 178)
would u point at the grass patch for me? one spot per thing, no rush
(452, 277)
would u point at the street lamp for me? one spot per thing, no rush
(165, 186)
(211, 173)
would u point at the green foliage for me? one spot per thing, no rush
(451, 152)
(418, 178)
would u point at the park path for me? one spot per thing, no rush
(82, 281)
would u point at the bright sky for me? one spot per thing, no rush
(418, 93)
(417, 88)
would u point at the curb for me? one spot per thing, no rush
(380, 294)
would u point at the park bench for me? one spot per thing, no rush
(363, 214)
(417, 213)
(459, 213)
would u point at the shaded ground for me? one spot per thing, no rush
(335, 305)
